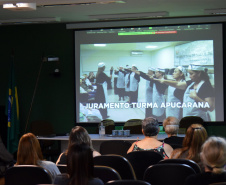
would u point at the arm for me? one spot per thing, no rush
(131, 148)
(209, 100)
(179, 85)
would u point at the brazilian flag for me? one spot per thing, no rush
(12, 110)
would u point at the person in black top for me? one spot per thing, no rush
(80, 167)
(102, 82)
(213, 156)
(171, 127)
(198, 90)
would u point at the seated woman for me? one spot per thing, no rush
(150, 129)
(213, 156)
(78, 135)
(29, 153)
(80, 167)
(195, 136)
(171, 127)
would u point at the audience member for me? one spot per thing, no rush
(150, 129)
(195, 136)
(92, 78)
(213, 157)
(29, 153)
(6, 159)
(78, 135)
(80, 167)
(171, 127)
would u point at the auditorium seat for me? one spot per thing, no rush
(186, 121)
(168, 173)
(117, 162)
(141, 160)
(188, 162)
(134, 125)
(127, 182)
(119, 147)
(27, 175)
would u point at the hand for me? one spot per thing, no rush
(193, 94)
(137, 72)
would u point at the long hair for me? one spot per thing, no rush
(195, 136)
(29, 150)
(80, 164)
(79, 135)
(213, 154)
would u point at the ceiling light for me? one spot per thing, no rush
(20, 6)
(129, 15)
(100, 45)
(151, 47)
(136, 53)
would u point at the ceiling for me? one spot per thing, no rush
(74, 11)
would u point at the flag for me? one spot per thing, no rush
(12, 110)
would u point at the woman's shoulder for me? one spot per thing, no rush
(95, 153)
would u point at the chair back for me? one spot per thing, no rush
(188, 162)
(27, 175)
(106, 173)
(186, 121)
(117, 162)
(127, 182)
(218, 183)
(134, 125)
(62, 168)
(170, 174)
(119, 147)
(141, 160)
(109, 126)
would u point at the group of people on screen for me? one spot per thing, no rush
(208, 152)
(177, 96)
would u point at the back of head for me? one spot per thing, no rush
(213, 154)
(29, 150)
(150, 126)
(80, 164)
(79, 135)
(195, 136)
(171, 125)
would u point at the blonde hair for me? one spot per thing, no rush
(213, 154)
(171, 125)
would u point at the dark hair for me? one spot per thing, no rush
(79, 135)
(80, 164)
(150, 126)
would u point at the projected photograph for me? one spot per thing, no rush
(122, 81)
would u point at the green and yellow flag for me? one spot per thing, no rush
(12, 110)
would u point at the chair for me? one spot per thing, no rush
(134, 125)
(45, 129)
(119, 163)
(185, 122)
(218, 183)
(170, 174)
(109, 126)
(119, 147)
(27, 175)
(127, 182)
(141, 160)
(62, 168)
(188, 162)
(106, 173)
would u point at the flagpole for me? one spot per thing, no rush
(34, 93)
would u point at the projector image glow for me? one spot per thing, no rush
(20, 6)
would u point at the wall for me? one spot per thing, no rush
(54, 100)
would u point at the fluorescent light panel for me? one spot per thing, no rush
(100, 45)
(20, 6)
(129, 15)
